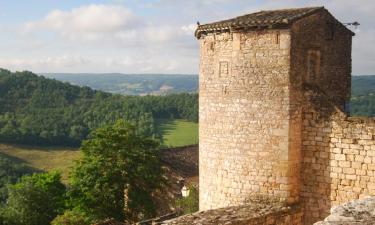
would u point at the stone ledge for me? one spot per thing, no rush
(357, 212)
(250, 214)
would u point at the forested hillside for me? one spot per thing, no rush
(40, 111)
(363, 96)
(363, 87)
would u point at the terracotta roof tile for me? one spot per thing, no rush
(269, 18)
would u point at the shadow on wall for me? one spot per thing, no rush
(315, 172)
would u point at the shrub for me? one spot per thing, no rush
(71, 218)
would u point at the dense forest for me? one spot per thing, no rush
(40, 111)
(10, 171)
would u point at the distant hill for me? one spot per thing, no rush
(132, 84)
(39, 111)
(363, 96)
(141, 84)
(363, 85)
(362, 103)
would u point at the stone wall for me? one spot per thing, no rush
(338, 163)
(321, 56)
(251, 105)
(245, 118)
(272, 122)
(321, 75)
(252, 214)
(356, 212)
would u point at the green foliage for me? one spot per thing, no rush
(174, 106)
(363, 105)
(363, 96)
(10, 172)
(117, 161)
(189, 204)
(35, 200)
(39, 111)
(71, 218)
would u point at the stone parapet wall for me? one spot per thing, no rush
(352, 147)
(338, 159)
(252, 214)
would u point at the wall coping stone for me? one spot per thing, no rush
(245, 214)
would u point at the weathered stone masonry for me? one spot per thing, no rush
(252, 214)
(338, 158)
(273, 91)
(243, 95)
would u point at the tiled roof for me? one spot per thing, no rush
(271, 18)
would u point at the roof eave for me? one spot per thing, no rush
(199, 31)
(226, 25)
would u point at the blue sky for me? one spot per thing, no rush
(141, 36)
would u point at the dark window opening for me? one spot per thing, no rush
(313, 66)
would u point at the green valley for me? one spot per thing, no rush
(46, 112)
(177, 133)
(48, 158)
(42, 158)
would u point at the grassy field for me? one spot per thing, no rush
(43, 158)
(175, 133)
(178, 132)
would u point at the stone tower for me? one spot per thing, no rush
(253, 70)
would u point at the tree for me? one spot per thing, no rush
(10, 172)
(71, 218)
(39, 111)
(117, 175)
(35, 200)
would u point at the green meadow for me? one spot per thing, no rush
(174, 133)
(43, 158)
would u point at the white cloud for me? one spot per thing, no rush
(87, 19)
(112, 25)
(150, 62)
(189, 29)
(61, 62)
(155, 36)
(88, 23)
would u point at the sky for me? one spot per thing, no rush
(142, 36)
